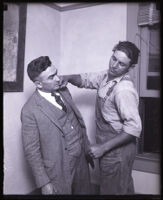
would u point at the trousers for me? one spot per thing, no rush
(115, 165)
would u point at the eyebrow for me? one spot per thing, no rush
(118, 60)
(53, 74)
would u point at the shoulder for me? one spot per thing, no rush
(29, 105)
(125, 86)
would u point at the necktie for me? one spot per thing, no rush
(59, 101)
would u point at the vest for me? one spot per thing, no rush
(72, 134)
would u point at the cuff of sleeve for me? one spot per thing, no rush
(83, 78)
(42, 181)
(131, 132)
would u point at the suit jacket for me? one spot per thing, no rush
(44, 143)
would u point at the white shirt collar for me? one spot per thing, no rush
(117, 79)
(50, 98)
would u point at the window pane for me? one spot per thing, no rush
(154, 49)
(153, 82)
(152, 133)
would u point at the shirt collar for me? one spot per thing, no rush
(117, 79)
(45, 94)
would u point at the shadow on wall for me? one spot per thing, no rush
(86, 98)
(85, 101)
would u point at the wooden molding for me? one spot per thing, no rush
(72, 6)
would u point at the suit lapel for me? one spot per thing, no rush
(68, 99)
(45, 107)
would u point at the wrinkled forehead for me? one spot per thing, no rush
(121, 56)
(51, 69)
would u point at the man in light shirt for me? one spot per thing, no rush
(118, 123)
(54, 134)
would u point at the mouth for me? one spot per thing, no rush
(112, 71)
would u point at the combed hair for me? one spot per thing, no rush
(130, 49)
(38, 65)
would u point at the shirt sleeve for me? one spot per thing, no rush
(127, 105)
(92, 80)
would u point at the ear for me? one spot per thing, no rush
(131, 66)
(38, 84)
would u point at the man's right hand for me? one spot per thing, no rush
(48, 189)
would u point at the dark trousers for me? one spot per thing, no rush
(81, 177)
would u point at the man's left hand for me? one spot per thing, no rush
(96, 150)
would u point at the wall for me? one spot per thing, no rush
(42, 38)
(132, 30)
(146, 183)
(76, 41)
(87, 38)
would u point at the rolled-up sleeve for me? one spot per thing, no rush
(92, 80)
(127, 104)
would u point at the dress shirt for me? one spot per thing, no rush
(120, 108)
(50, 98)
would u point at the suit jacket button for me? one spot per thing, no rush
(65, 148)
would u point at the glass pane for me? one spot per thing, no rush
(10, 42)
(154, 49)
(152, 133)
(153, 82)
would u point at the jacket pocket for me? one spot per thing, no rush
(110, 167)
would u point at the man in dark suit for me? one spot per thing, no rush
(54, 134)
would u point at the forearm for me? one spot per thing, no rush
(121, 139)
(74, 79)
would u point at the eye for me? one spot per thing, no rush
(51, 77)
(122, 64)
(114, 58)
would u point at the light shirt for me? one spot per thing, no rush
(50, 98)
(120, 108)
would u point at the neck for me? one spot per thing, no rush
(110, 77)
(44, 91)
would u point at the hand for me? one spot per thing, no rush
(90, 160)
(48, 189)
(63, 81)
(96, 150)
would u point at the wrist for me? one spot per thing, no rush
(105, 147)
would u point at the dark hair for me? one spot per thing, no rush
(130, 49)
(38, 65)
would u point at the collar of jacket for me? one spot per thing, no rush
(42, 104)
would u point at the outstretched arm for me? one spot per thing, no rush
(74, 79)
(90, 80)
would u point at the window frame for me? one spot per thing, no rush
(143, 162)
(144, 61)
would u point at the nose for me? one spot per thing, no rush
(115, 64)
(57, 78)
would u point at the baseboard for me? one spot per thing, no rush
(95, 190)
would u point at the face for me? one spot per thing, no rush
(119, 64)
(48, 80)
